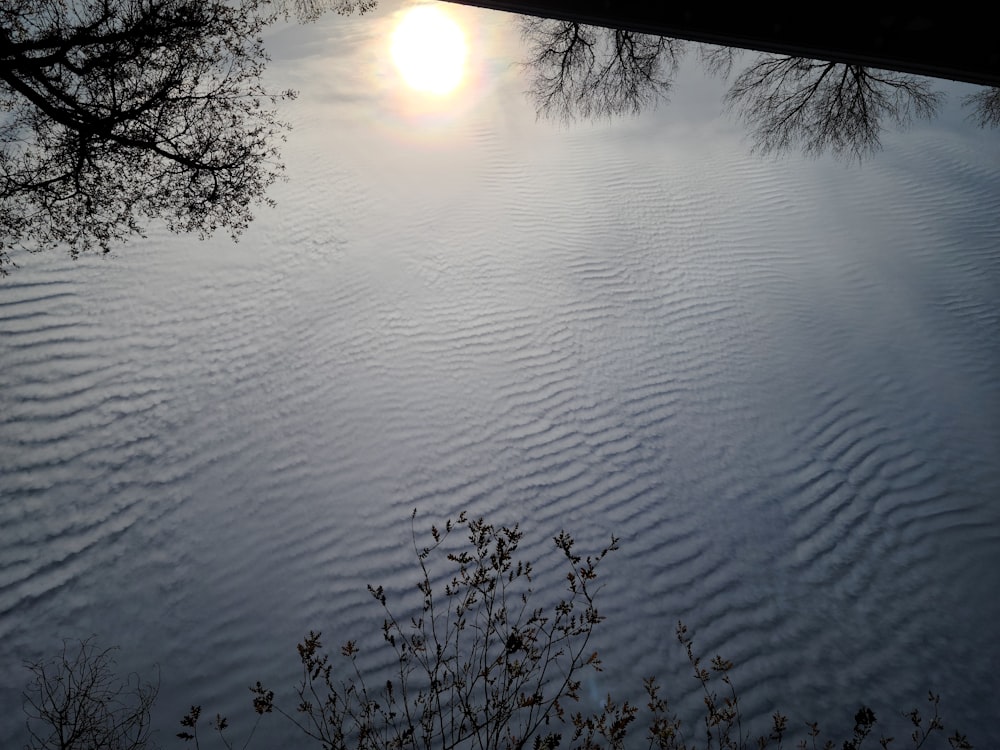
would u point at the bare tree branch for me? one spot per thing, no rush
(820, 106)
(718, 61)
(310, 10)
(590, 71)
(986, 107)
(77, 702)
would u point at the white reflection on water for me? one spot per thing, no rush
(429, 50)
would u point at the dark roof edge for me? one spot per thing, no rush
(933, 43)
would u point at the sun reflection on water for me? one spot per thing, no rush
(435, 67)
(429, 50)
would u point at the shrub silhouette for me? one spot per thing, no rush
(76, 701)
(478, 665)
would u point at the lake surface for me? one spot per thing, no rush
(775, 380)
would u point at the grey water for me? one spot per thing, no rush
(774, 379)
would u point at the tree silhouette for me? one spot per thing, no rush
(820, 106)
(985, 105)
(588, 71)
(786, 102)
(114, 113)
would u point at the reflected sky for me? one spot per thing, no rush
(773, 378)
(426, 65)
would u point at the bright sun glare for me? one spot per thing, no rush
(429, 50)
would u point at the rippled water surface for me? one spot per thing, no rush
(776, 381)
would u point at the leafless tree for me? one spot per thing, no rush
(821, 106)
(590, 71)
(985, 105)
(77, 702)
(787, 102)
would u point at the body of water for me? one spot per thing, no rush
(775, 380)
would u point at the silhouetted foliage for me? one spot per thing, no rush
(310, 10)
(121, 111)
(591, 71)
(480, 664)
(77, 702)
(476, 664)
(820, 106)
(114, 113)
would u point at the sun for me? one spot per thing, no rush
(429, 50)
